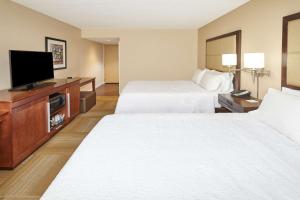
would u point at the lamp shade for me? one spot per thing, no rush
(229, 59)
(254, 60)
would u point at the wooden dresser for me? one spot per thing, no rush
(25, 119)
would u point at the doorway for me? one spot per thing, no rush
(111, 63)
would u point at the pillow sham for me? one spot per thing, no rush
(227, 81)
(211, 81)
(290, 91)
(198, 75)
(281, 111)
(266, 104)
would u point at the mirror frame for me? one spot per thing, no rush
(285, 27)
(238, 35)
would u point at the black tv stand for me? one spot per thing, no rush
(32, 86)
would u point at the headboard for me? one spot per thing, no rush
(290, 73)
(224, 44)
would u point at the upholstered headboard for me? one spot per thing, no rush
(291, 52)
(224, 44)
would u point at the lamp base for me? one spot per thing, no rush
(256, 73)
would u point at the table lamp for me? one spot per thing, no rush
(230, 61)
(255, 63)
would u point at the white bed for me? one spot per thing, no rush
(181, 156)
(197, 96)
(166, 97)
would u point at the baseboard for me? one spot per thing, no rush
(100, 84)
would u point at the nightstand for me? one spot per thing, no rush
(238, 104)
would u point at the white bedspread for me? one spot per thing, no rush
(166, 97)
(181, 157)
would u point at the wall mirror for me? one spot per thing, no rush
(291, 51)
(229, 43)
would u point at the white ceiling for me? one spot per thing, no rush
(134, 13)
(106, 40)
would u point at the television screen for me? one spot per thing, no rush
(29, 67)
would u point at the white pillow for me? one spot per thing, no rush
(265, 105)
(211, 81)
(290, 91)
(281, 111)
(227, 81)
(198, 75)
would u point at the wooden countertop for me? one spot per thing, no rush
(243, 101)
(54, 84)
(86, 80)
(237, 103)
(2, 113)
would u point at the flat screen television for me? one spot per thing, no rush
(29, 67)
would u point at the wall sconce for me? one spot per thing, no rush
(230, 61)
(255, 63)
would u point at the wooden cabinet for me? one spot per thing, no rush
(25, 118)
(30, 127)
(73, 94)
(5, 140)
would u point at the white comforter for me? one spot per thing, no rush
(166, 97)
(181, 157)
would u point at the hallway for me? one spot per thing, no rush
(108, 89)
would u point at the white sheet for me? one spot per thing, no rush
(181, 157)
(166, 97)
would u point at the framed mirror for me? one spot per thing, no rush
(229, 43)
(291, 52)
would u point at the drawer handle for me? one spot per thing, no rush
(48, 117)
(69, 110)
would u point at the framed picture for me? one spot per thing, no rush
(59, 50)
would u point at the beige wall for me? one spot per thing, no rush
(111, 63)
(24, 29)
(261, 25)
(91, 62)
(153, 54)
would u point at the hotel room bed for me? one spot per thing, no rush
(166, 97)
(187, 156)
(190, 156)
(197, 96)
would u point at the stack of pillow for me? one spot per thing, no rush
(211, 80)
(280, 110)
